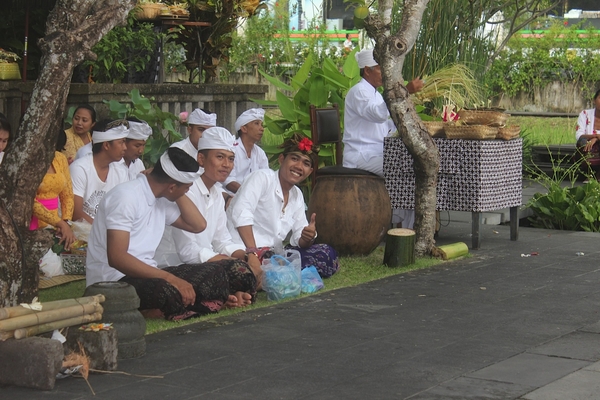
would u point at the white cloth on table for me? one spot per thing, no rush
(244, 165)
(181, 247)
(259, 202)
(87, 184)
(142, 215)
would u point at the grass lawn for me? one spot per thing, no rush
(545, 131)
(353, 271)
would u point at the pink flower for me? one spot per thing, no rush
(183, 116)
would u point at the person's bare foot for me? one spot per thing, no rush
(239, 299)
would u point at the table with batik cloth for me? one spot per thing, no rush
(474, 175)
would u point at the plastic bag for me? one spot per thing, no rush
(81, 229)
(51, 264)
(282, 276)
(311, 280)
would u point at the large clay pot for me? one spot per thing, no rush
(121, 309)
(353, 212)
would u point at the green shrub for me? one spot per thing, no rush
(566, 206)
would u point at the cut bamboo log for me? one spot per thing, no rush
(399, 247)
(12, 312)
(36, 330)
(42, 317)
(451, 251)
(7, 335)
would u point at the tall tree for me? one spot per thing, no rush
(391, 48)
(72, 29)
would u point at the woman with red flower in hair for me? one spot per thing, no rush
(269, 205)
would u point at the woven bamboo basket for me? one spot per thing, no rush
(483, 117)
(435, 128)
(509, 132)
(9, 72)
(149, 11)
(474, 132)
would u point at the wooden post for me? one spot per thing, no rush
(399, 247)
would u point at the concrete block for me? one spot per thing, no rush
(100, 347)
(32, 362)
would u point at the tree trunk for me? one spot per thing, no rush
(72, 29)
(390, 51)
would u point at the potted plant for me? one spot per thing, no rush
(9, 69)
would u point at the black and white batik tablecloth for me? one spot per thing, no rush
(474, 175)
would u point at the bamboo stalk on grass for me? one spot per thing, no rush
(43, 328)
(43, 317)
(12, 312)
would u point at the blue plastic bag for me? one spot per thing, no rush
(282, 276)
(311, 280)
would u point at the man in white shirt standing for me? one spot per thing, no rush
(95, 174)
(249, 157)
(214, 244)
(198, 121)
(367, 122)
(269, 205)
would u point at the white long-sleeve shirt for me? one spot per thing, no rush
(244, 165)
(585, 124)
(366, 122)
(259, 202)
(181, 247)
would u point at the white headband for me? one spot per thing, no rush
(365, 58)
(216, 138)
(173, 172)
(250, 115)
(118, 132)
(139, 130)
(199, 117)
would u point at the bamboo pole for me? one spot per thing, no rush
(36, 330)
(12, 312)
(451, 251)
(42, 317)
(7, 335)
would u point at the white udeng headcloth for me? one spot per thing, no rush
(248, 116)
(173, 172)
(118, 132)
(139, 130)
(199, 117)
(365, 58)
(216, 138)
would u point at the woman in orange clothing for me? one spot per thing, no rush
(79, 134)
(55, 185)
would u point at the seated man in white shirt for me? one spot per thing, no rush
(139, 132)
(95, 174)
(269, 205)
(214, 244)
(129, 225)
(198, 121)
(248, 156)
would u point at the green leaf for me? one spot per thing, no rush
(300, 78)
(317, 94)
(286, 106)
(276, 82)
(350, 67)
